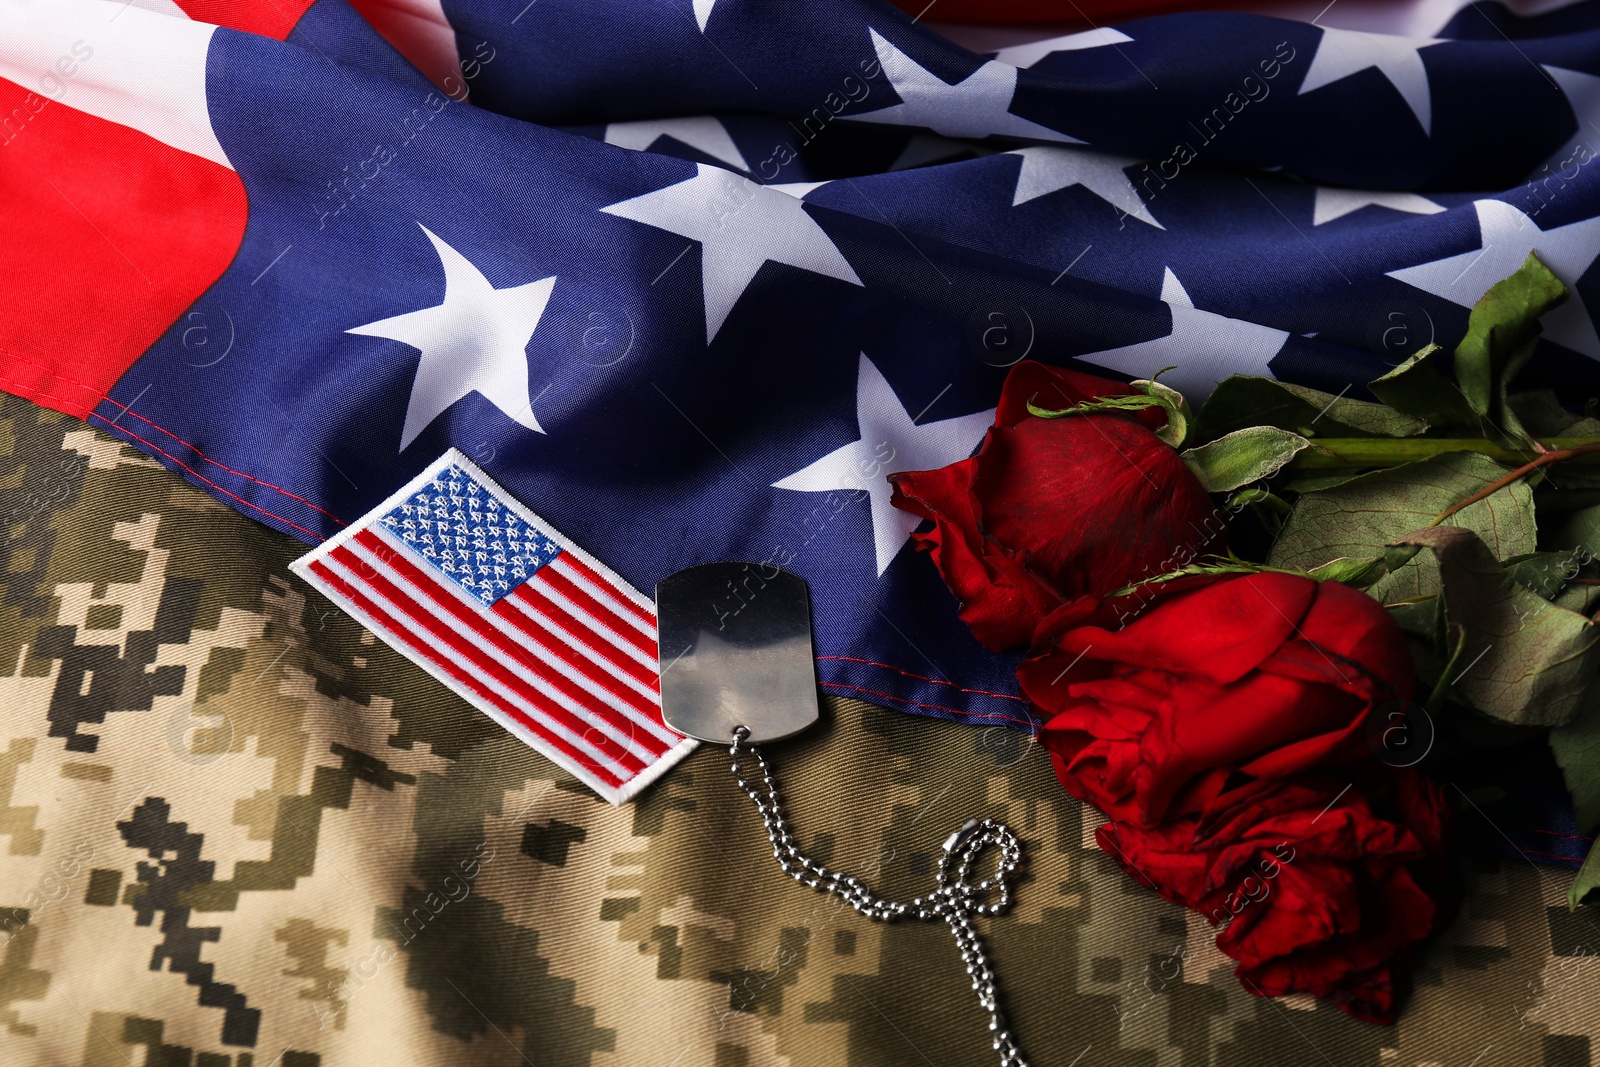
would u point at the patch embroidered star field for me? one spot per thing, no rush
(522, 623)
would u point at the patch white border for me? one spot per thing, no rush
(454, 457)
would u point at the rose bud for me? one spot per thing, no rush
(1051, 510)
(1267, 674)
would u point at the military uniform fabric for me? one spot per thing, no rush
(237, 830)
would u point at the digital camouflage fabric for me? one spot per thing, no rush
(235, 830)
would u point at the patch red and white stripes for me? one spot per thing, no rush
(530, 629)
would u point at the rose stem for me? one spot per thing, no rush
(1545, 460)
(1350, 452)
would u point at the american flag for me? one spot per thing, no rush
(692, 276)
(526, 626)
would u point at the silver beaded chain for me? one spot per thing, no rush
(955, 901)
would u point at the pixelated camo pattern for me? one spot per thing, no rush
(234, 830)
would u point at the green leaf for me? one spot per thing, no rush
(1544, 416)
(1423, 623)
(1583, 599)
(1588, 878)
(1576, 747)
(1243, 456)
(1131, 402)
(1501, 333)
(1441, 687)
(1528, 661)
(1362, 517)
(1419, 389)
(1242, 401)
(1310, 483)
(1363, 416)
(1546, 573)
(1258, 498)
(1580, 531)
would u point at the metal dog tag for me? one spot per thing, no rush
(737, 667)
(735, 645)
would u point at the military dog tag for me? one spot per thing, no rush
(737, 667)
(735, 649)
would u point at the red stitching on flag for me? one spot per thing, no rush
(936, 707)
(230, 470)
(1536, 852)
(197, 474)
(1551, 833)
(925, 678)
(34, 393)
(99, 395)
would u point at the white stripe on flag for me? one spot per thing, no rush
(426, 596)
(520, 612)
(543, 651)
(136, 68)
(545, 591)
(441, 653)
(566, 662)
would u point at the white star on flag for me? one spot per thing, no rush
(702, 12)
(1341, 53)
(1026, 55)
(890, 440)
(1203, 347)
(1507, 237)
(476, 341)
(1333, 203)
(739, 226)
(707, 134)
(1044, 170)
(977, 106)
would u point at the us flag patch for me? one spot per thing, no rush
(530, 629)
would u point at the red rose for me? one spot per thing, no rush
(1266, 674)
(1051, 510)
(1323, 889)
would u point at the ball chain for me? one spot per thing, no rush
(955, 900)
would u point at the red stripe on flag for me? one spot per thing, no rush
(102, 252)
(603, 614)
(423, 615)
(395, 630)
(647, 617)
(394, 558)
(496, 654)
(572, 624)
(546, 717)
(273, 19)
(596, 670)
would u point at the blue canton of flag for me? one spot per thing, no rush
(461, 529)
